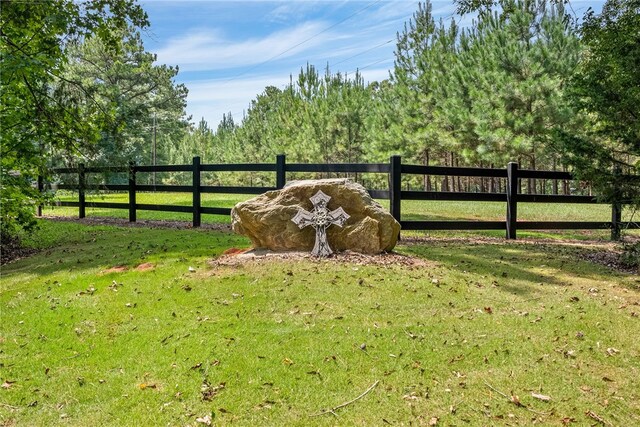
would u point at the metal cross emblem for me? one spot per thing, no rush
(320, 218)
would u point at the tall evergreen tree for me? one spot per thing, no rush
(490, 93)
(146, 108)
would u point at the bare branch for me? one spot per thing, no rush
(342, 405)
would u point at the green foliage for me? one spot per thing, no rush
(18, 203)
(489, 93)
(608, 80)
(314, 119)
(606, 88)
(34, 41)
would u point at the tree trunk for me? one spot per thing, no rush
(445, 184)
(492, 182)
(453, 178)
(531, 182)
(445, 178)
(426, 179)
(555, 181)
(458, 178)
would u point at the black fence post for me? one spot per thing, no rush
(281, 173)
(132, 191)
(196, 192)
(40, 191)
(395, 186)
(616, 220)
(512, 199)
(616, 206)
(81, 188)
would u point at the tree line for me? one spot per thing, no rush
(503, 89)
(526, 81)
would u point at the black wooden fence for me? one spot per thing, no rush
(395, 169)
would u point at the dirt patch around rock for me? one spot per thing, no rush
(252, 256)
(235, 251)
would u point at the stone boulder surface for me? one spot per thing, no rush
(267, 218)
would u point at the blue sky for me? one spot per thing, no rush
(229, 51)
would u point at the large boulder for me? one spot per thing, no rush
(267, 219)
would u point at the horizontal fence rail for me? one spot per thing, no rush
(395, 170)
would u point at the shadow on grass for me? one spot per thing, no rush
(517, 268)
(72, 247)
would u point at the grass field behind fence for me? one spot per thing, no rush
(411, 210)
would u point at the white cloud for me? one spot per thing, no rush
(208, 50)
(392, 10)
(212, 98)
(205, 55)
(288, 11)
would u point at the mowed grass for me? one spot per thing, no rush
(179, 199)
(464, 338)
(411, 210)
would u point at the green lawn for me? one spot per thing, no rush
(451, 340)
(411, 210)
(180, 199)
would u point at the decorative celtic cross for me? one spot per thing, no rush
(320, 218)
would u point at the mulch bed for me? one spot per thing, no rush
(611, 259)
(604, 253)
(13, 251)
(239, 257)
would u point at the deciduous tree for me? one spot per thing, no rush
(34, 36)
(606, 88)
